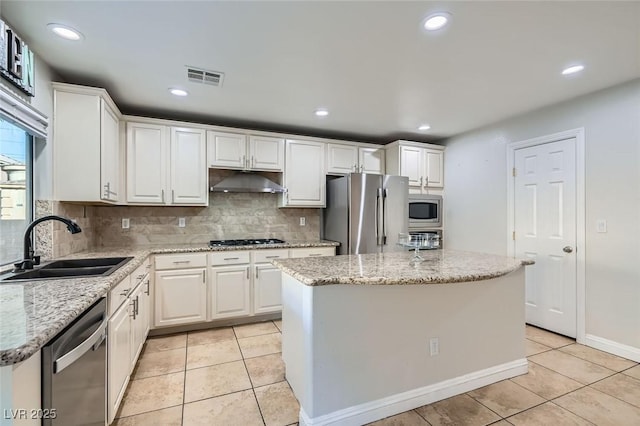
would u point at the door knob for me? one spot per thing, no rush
(567, 249)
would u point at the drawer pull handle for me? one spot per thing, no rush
(125, 292)
(272, 257)
(181, 261)
(139, 277)
(231, 258)
(149, 266)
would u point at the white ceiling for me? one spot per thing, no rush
(369, 63)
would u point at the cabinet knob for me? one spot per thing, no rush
(567, 249)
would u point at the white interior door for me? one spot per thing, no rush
(545, 230)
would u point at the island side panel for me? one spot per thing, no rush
(370, 342)
(297, 352)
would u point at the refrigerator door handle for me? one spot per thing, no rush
(379, 217)
(384, 216)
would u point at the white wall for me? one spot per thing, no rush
(476, 197)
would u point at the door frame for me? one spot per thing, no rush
(580, 251)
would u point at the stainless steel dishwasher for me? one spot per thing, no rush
(74, 371)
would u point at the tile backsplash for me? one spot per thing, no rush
(228, 216)
(52, 239)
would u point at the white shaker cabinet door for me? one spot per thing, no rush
(267, 289)
(189, 179)
(226, 150)
(230, 293)
(304, 176)
(109, 153)
(412, 165)
(118, 357)
(180, 297)
(372, 160)
(342, 159)
(147, 160)
(434, 161)
(266, 153)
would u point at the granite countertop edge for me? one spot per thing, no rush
(83, 292)
(376, 270)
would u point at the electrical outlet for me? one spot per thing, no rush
(434, 346)
(601, 225)
(125, 223)
(181, 222)
(303, 221)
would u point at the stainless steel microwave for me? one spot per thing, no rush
(425, 211)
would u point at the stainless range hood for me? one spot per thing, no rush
(247, 182)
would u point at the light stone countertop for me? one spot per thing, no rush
(395, 268)
(32, 312)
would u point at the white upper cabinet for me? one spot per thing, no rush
(226, 150)
(423, 164)
(86, 145)
(189, 179)
(344, 159)
(147, 160)
(304, 176)
(166, 165)
(266, 153)
(371, 160)
(237, 151)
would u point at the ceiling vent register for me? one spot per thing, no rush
(197, 75)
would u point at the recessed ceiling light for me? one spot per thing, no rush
(424, 127)
(178, 92)
(572, 70)
(436, 21)
(65, 32)
(321, 112)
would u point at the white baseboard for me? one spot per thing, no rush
(398, 403)
(615, 348)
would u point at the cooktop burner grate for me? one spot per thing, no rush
(249, 242)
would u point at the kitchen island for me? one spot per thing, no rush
(369, 336)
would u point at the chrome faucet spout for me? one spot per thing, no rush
(28, 258)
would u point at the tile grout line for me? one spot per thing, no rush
(184, 383)
(250, 381)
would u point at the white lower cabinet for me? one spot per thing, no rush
(267, 281)
(267, 295)
(180, 297)
(119, 357)
(230, 284)
(229, 292)
(127, 329)
(180, 289)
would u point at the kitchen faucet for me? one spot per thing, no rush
(28, 258)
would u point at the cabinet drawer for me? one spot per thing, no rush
(229, 258)
(313, 252)
(141, 271)
(119, 294)
(266, 256)
(181, 261)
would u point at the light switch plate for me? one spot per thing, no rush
(125, 223)
(181, 222)
(303, 221)
(601, 225)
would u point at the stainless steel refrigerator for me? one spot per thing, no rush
(365, 212)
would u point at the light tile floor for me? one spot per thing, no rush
(235, 376)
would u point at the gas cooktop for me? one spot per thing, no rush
(250, 242)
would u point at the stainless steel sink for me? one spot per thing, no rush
(71, 268)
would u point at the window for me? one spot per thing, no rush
(16, 189)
